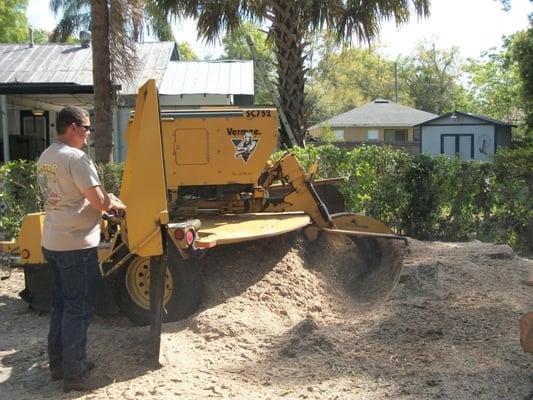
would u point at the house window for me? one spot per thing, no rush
(395, 135)
(373, 135)
(416, 134)
(339, 134)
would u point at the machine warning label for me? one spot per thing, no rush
(244, 148)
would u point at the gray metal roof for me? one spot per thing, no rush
(71, 63)
(208, 77)
(381, 113)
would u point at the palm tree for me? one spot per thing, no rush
(290, 23)
(115, 25)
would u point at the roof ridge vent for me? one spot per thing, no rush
(381, 101)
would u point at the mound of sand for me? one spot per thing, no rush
(280, 320)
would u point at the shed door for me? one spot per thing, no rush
(458, 144)
(448, 145)
(465, 147)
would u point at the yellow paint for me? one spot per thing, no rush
(237, 228)
(359, 223)
(143, 187)
(200, 145)
(30, 238)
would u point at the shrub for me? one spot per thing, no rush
(19, 195)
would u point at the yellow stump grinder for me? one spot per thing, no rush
(197, 179)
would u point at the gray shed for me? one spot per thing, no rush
(472, 137)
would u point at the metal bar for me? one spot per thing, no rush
(157, 289)
(371, 234)
(117, 265)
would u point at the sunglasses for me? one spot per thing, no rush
(86, 127)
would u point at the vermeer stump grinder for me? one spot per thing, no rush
(194, 180)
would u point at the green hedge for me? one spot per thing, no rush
(434, 198)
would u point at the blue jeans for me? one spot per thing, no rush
(72, 291)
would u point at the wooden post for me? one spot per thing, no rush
(157, 290)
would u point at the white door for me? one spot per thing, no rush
(448, 145)
(465, 147)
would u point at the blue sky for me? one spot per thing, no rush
(471, 25)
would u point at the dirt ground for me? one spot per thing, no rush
(277, 323)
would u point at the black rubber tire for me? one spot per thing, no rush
(186, 294)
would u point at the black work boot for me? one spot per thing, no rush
(57, 373)
(88, 382)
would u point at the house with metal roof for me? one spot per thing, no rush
(378, 122)
(469, 136)
(36, 81)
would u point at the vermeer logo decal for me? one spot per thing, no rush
(245, 147)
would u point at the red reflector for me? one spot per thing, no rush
(179, 234)
(190, 236)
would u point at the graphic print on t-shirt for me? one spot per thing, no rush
(46, 179)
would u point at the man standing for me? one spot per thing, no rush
(73, 201)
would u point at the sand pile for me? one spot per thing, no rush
(279, 321)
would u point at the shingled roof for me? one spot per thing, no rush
(380, 112)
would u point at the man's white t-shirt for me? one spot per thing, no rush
(70, 223)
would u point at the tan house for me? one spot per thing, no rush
(378, 122)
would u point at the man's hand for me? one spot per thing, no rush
(103, 201)
(115, 203)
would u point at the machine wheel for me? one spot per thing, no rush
(377, 270)
(183, 288)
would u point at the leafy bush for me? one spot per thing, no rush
(111, 175)
(19, 195)
(438, 197)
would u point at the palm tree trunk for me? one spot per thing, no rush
(288, 32)
(103, 90)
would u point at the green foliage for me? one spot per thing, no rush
(494, 86)
(522, 53)
(436, 198)
(13, 22)
(19, 195)
(511, 219)
(111, 176)
(346, 78)
(431, 77)
(326, 134)
(186, 52)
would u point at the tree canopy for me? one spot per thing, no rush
(522, 53)
(13, 22)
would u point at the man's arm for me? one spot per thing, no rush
(102, 201)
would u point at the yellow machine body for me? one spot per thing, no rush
(206, 147)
